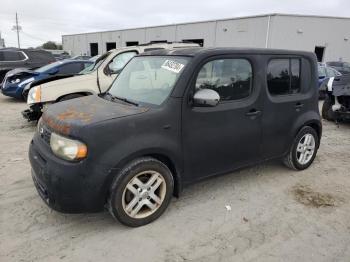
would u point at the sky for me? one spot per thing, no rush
(49, 20)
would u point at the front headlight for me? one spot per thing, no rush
(34, 95)
(67, 149)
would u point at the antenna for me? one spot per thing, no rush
(17, 28)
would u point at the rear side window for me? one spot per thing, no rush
(11, 56)
(230, 78)
(283, 76)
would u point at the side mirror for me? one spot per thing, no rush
(206, 98)
(53, 71)
(113, 69)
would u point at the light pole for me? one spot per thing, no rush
(17, 28)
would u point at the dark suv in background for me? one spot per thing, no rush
(172, 118)
(12, 58)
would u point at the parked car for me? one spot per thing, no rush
(94, 80)
(336, 106)
(15, 80)
(171, 118)
(62, 56)
(12, 58)
(324, 73)
(342, 67)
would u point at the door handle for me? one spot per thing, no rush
(299, 105)
(253, 112)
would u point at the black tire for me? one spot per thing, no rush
(115, 200)
(69, 97)
(327, 112)
(290, 160)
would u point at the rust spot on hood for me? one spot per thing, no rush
(59, 127)
(72, 114)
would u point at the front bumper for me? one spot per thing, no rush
(68, 187)
(33, 113)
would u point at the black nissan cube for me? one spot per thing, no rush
(171, 118)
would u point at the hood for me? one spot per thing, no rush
(70, 116)
(70, 81)
(18, 71)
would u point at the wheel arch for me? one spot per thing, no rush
(161, 155)
(77, 93)
(314, 124)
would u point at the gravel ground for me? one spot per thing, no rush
(276, 214)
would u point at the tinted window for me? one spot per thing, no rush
(283, 76)
(231, 78)
(11, 56)
(71, 68)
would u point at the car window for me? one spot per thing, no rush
(71, 68)
(283, 76)
(322, 71)
(11, 56)
(230, 78)
(85, 65)
(119, 61)
(331, 72)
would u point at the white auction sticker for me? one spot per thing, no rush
(172, 66)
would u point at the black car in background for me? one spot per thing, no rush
(12, 58)
(342, 67)
(172, 118)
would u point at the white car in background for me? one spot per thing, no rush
(95, 79)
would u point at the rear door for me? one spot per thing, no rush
(287, 96)
(219, 139)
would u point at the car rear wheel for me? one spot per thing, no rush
(303, 150)
(141, 192)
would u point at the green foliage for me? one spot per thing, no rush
(51, 45)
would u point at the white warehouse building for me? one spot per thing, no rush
(328, 37)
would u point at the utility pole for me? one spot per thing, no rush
(17, 28)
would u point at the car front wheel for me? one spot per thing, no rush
(141, 192)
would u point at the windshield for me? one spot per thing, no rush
(148, 79)
(48, 67)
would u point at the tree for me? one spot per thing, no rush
(51, 45)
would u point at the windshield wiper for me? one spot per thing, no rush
(122, 99)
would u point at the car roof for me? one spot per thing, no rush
(142, 47)
(201, 51)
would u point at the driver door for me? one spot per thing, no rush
(227, 136)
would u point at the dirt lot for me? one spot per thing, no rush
(276, 214)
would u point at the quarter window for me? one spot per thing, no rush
(283, 76)
(230, 78)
